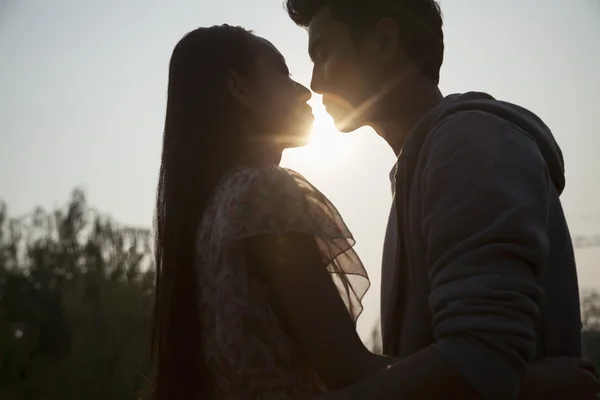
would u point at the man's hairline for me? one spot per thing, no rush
(327, 6)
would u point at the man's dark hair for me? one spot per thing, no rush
(419, 21)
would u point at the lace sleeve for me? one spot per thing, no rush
(278, 200)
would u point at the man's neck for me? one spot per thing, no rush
(402, 109)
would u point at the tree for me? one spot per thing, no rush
(590, 318)
(76, 293)
(374, 343)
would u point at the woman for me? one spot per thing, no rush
(246, 306)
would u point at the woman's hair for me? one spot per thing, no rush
(201, 142)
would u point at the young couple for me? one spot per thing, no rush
(258, 288)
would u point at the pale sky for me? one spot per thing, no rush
(83, 89)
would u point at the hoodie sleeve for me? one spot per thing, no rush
(486, 191)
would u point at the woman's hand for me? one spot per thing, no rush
(561, 378)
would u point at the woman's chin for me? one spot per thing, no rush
(299, 137)
(297, 141)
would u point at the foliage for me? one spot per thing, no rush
(374, 342)
(590, 317)
(76, 295)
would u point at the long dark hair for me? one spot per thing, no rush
(200, 144)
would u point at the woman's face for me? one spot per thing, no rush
(277, 106)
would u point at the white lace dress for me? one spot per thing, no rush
(249, 350)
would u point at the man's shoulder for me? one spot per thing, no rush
(474, 108)
(460, 114)
(475, 129)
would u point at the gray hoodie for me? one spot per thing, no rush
(484, 267)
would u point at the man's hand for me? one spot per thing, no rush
(561, 378)
(551, 378)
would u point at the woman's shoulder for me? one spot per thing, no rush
(250, 201)
(262, 185)
(244, 177)
(273, 199)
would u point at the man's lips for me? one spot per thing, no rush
(332, 108)
(331, 103)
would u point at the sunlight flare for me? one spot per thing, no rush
(327, 147)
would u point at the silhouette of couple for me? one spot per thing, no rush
(258, 287)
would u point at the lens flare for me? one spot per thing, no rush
(327, 146)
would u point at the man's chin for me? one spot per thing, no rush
(346, 126)
(342, 120)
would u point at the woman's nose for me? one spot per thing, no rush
(303, 92)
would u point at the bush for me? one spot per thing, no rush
(76, 293)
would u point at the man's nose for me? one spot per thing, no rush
(317, 81)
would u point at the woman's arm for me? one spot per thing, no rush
(307, 298)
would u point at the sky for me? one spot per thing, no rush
(83, 90)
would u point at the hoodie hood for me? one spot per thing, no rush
(516, 115)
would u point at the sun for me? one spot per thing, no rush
(327, 147)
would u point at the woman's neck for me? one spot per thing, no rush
(261, 156)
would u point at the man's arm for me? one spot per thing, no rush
(486, 191)
(484, 209)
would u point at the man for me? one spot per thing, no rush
(479, 277)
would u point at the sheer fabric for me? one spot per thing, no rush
(247, 347)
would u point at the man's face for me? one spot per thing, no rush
(345, 72)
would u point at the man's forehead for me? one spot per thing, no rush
(320, 18)
(322, 26)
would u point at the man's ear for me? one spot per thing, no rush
(239, 88)
(388, 43)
